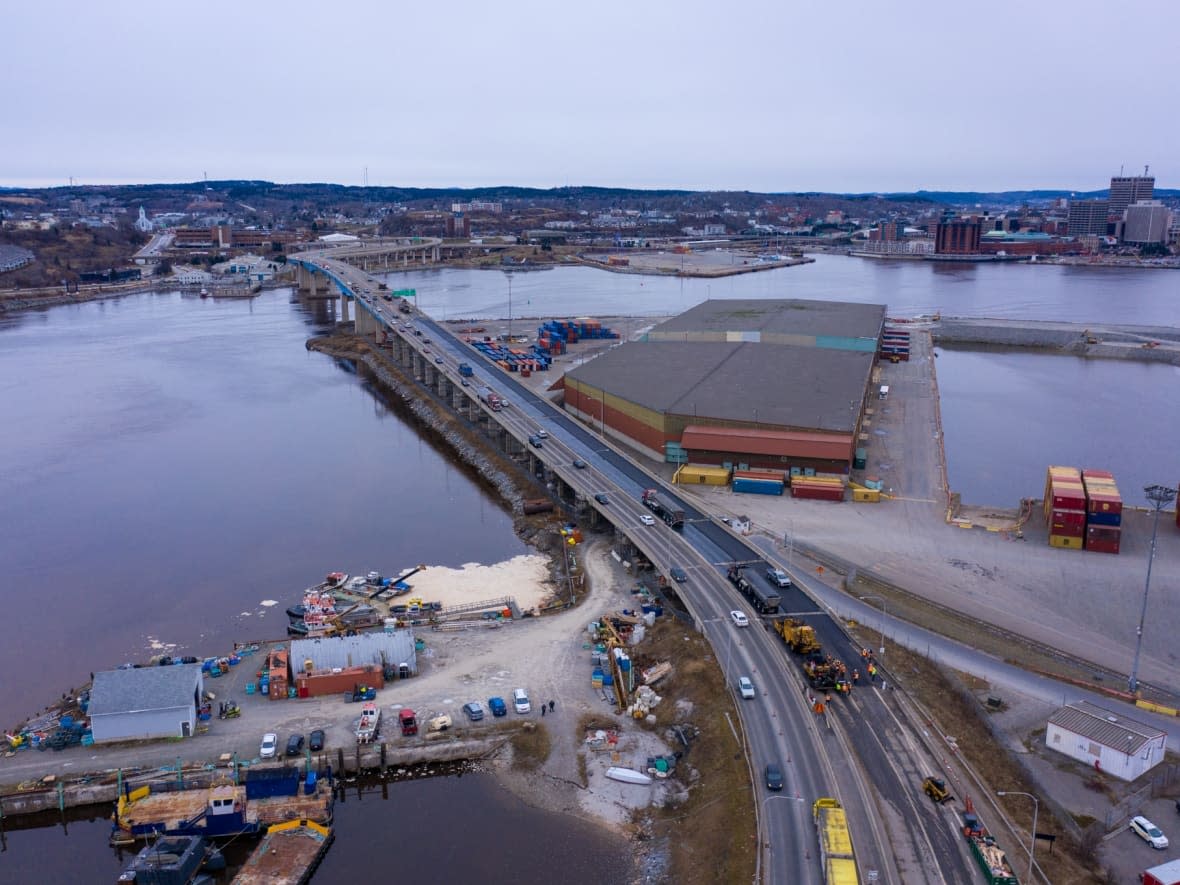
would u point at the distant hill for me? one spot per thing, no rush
(963, 198)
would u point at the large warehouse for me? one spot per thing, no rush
(739, 383)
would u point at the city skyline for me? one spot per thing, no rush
(778, 98)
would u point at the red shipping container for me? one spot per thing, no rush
(1104, 502)
(1091, 473)
(1067, 531)
(1103, 533)
(1074, 519)
(1103, 547)
(817, 493)
(1067, 496)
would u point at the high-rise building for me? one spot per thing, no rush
(1128, 189)
(1087, 217)
(955, 236)
(1146, 221)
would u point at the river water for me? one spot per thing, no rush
(169, 464)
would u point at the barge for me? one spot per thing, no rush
(288, 854)
(269, 796)
(172, 860)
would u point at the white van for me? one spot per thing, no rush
(520, 701)
(884, 391)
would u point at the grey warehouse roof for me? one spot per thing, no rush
(777, 316)
(1105, 727)
(355, 651)
(798, 387)
(144, 688)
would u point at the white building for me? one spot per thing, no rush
(145, 703)
(193, 277)
(1111, 742)
(143, 223)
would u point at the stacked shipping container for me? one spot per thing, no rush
(895, 344)
(512, 359)
(818, 488)
(1065, 507)
(554, 335)
(1104, 511)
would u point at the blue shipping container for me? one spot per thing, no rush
(742, 485)
(1104, 518)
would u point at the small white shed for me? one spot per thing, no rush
(1114, 743)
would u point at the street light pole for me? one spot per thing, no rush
(1032, 841)
(885, 614)
(1158, 496)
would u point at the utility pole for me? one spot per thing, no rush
(1159, 496)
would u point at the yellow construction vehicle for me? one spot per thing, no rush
(798, 635)
(937, 790)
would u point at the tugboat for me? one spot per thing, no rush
(173, 860)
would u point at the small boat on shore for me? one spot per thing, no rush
(628, 776)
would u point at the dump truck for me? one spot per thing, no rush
(669, 514)
(798, 636)
(936, 789)
(835, 843)
(764, 600)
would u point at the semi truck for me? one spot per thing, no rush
(990, 857)
(835, 843)
(766, 601)
(489, 396)
(671, 515)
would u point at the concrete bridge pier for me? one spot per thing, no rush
(344, 309)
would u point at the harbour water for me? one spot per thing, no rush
(171, 464)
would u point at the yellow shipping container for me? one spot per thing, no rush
(819, 480)
(1065, 541)
(870, 496)
(700, 474)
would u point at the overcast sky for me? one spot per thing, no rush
(765, 96)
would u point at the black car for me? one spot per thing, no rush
(774, 777)
(315, 742)
(579, 463)
(295, 745)
(601, 498)
(536, 442)
(678, 574)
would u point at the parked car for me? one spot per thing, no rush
(1148, 832)
(601, 498)
(295, 745)
(497, 706)
(473, 710)
(520, 701)
(579, 463)
(746, 687)
(647, 520)
(774, 777)
(315, 741)
(778, 576)
(270, 743)
(678, 574)
(739, 619)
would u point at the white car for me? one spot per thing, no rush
(746, 687)
(520, 701)
(270, 744)
(739, 619)
(1148, 832)
(544, 434)
(647, 520)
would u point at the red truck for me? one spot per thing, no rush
(1165, 874)
(408, 722)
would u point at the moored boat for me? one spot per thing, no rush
(287, 855)
(171, 860)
